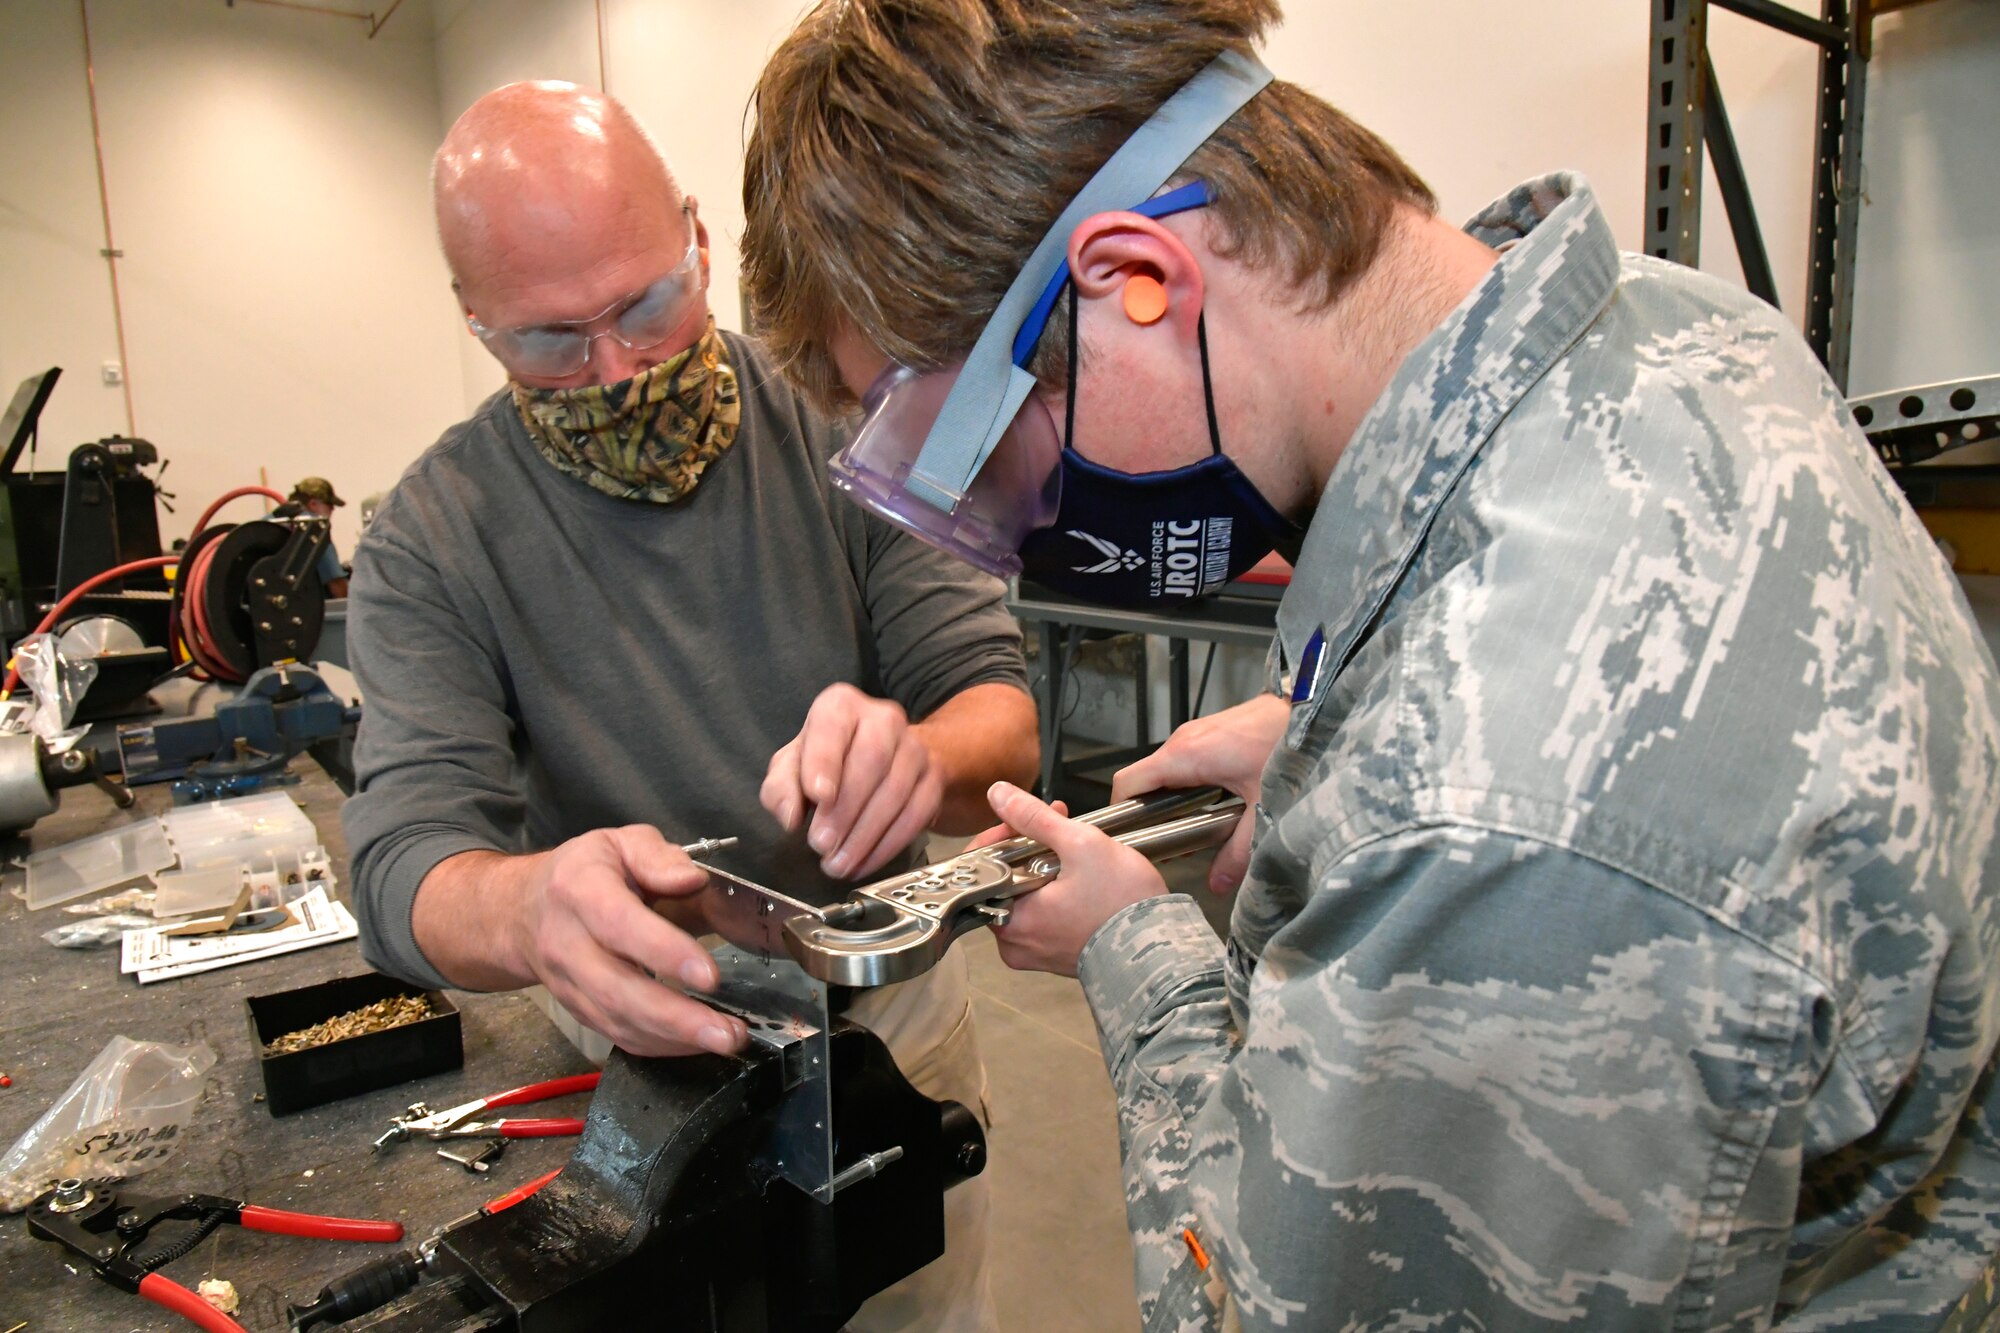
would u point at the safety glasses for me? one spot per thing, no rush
(637, 321)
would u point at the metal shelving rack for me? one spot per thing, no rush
(1687, 114)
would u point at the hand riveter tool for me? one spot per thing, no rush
(900, 927)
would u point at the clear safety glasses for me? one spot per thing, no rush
(638, 320)
(1019, 487)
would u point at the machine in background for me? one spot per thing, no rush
(59, 529)
(80, 556)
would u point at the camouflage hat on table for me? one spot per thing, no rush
(316, 488)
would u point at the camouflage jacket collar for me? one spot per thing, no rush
(1558, 268)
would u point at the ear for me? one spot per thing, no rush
(700, 227)
(464, 310)
(1108, 250)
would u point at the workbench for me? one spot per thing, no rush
(58, 1007)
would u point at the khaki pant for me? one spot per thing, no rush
(927, 1026)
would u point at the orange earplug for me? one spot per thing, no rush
(1145, 299)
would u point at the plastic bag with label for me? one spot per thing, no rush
(124, 1115)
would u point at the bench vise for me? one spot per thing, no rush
(277, 713)
(669, 1216)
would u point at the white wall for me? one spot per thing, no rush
(1927, 289)
(285, 308)
(1522, 89)
(55, 298)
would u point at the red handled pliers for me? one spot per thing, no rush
(108, 1229)
(463, 1122)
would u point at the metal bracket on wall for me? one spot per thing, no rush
(1686, 113)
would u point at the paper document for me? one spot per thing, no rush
(156, 956)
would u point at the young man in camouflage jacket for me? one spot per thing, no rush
(1616, 942)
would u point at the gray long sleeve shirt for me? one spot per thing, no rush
(538, 660)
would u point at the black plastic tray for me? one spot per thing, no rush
(352, 1065)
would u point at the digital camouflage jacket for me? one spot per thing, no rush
(1619, 949)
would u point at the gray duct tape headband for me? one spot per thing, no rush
(990, 387)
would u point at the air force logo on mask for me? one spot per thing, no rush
(1188, 557)
(1116, 560)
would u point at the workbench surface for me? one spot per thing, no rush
(58, 1007)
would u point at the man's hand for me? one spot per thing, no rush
(589, 920)
(1227, 749)
(1100, 877)
(865, 774)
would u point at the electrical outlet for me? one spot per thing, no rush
(114, 373)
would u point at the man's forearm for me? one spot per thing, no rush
(466, 918)
(979, 736)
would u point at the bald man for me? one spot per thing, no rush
(618, 609)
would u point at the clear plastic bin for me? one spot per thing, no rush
(96, 863)
(239, 830)
(202, 889)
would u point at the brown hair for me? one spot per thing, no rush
(908, 155)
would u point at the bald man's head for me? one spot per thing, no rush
(549, 195)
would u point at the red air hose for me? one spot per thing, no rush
(77, 593)
(225, 498)
(196, 633)
(190, 609)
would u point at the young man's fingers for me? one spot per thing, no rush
(1233, 861)
(1033, 818)
(1000, 832)
(987, 837)
(1177, 763)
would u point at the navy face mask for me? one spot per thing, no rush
(1153, 539)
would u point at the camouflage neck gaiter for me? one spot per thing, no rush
(647, 438)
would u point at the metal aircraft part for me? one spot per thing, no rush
(900, 927)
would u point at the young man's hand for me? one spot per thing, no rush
(865, 776)
(1100, 877)
(1227, 749)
